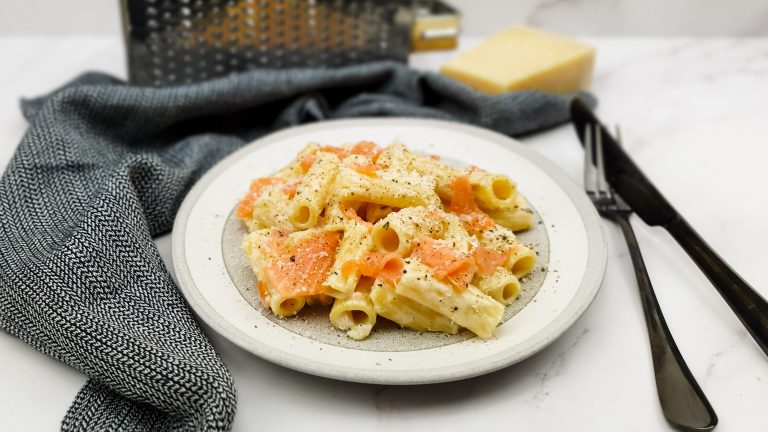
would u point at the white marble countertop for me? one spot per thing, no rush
(693, 115)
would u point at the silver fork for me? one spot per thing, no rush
(683, 402)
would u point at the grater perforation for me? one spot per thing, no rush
(183, 41)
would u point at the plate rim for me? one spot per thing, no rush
(587, 290)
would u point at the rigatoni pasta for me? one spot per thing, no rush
(392, 188)
(398, 155)
(371, 232)
(354, 314)
(468, 308)
(518, 217)
(312, 191)
(400, 230)
(408, 313)
(502, 285)
(341, 281)
(492, 191)
(521, 260)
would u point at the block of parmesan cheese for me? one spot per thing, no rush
(522, 58)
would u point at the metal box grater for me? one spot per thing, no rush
(183, 41)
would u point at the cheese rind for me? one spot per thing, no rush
(522, 58)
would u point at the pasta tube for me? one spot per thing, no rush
(398, 157)
(271, 208)
(502, 285)
(408, 313)
(334, 218)
(521, 260)
(312, 194)
(398, 232)
(492, 191)
(519, 217)
(283, 306)
(497, 238)
(469, 308)
(354, 314)
(455, 233)
(355, 243)
(301, 163)
(389, 188)
(251, 248)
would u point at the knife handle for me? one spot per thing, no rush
(746, 303)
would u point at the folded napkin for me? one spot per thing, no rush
(104, 167)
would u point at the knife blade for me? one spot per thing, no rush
(626, 178)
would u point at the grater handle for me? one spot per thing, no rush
(435, 28)
(440, 33)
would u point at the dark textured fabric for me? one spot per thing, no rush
(103, 169)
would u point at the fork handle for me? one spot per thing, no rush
(683, 402)
(746, 303)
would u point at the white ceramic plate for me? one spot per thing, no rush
(568, 275)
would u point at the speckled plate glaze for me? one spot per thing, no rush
(219, 285)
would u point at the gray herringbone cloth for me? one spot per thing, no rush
(103, 169)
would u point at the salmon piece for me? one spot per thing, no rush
(364, 148)
(348, 268)
(259, 184)
(306, 162)
(290, 188)
(447, 264)
(352, 214)
(462, 276)
(368, 169)
(263, 294)
(464, 206)
(488, 260)
(338, 151)
(387, 266)
(367, 149)
(245, 207)
(301, 270)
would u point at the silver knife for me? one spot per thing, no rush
(648, 203)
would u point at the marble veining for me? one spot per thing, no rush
(715, 358)
(621, 17)
(555, 367)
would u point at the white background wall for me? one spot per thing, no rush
(583, 17)
(622, 17)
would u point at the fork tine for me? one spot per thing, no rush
(602, 183)
(589, 170)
